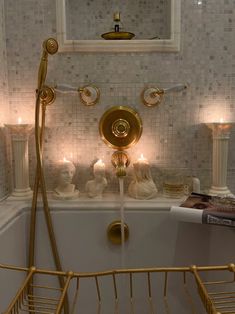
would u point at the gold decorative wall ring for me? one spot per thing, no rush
(114, 232)
(120, 127)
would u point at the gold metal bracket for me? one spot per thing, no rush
(114, 232)
(47, 95)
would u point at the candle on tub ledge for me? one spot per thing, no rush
(65, 189)
(19, 138)
(142, 187)
(220, 135)
(95, 187)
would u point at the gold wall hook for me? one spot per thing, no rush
(120, 127)
(114, 232)
(89, 95)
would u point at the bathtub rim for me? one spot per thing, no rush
(12, 209)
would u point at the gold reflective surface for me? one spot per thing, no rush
(114, 232)
(120, 127)
(118, 35)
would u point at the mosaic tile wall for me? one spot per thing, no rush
(146, 19)
(174, 135)
(4, 165)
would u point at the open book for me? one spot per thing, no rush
(206, 209)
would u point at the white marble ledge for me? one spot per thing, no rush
(12, 208)
(109, 201)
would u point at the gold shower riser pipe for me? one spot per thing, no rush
(50, 46)
(44, 196)
(35, 196)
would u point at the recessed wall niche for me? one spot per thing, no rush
(155, 23)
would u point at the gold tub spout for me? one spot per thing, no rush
(120, 161)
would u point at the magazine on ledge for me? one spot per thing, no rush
(206, 209)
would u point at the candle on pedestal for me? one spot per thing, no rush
(220, 135)
(19, 137)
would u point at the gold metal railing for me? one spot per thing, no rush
(217, 296)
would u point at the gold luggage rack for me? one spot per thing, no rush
(217, 296)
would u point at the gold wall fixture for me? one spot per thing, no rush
(114, 232)
(44, 96)
(152, 96)
(47, 95)
(117, 32)
(89, 95)
(120, 160)
(120, 127)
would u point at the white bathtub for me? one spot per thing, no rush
(155, 240)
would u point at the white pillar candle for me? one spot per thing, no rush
(99, 165)
(220, 135)
(19, 137)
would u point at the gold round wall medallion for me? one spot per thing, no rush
(120, 127)
(114, 232)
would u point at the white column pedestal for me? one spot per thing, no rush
(19, 137)
(220, 135)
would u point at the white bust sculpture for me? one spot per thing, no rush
(65, 189)
(95, 187)
(142, 187)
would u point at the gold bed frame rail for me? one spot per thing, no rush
(220, 302)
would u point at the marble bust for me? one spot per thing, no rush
(142, 187)
(65, 189)
(95, 187)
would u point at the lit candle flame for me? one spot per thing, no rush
(19, 120)
(99, 164)
(65, 160)
(221, 120)
(142, 157)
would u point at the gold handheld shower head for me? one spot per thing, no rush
(50, 46)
